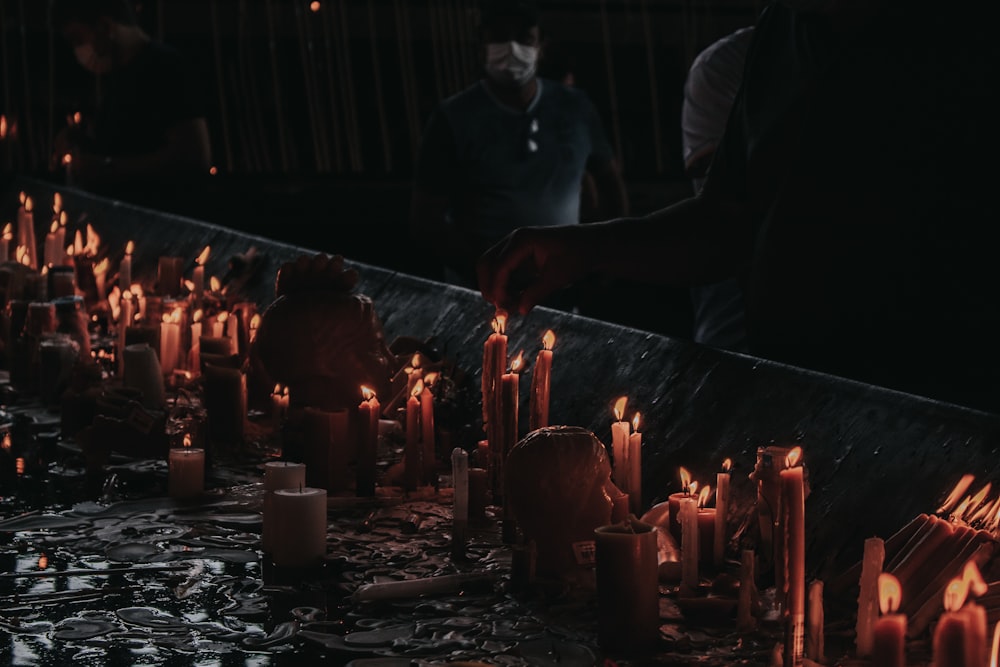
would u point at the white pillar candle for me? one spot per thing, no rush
(170, 344)
(300, 527)
(427, 439)
(635, 468)
(125, 268)
(186, 472)
(277, 475)
(689, 544)
(368, 417)
(721, 513)
(620, 430)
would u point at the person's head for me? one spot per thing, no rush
(511, 36)
(92, 28)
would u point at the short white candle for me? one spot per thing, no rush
(300, 527)
(277, 475)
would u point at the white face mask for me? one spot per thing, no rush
(511, 63)
(89, 60)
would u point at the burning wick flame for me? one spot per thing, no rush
(198, 314)
(19, 465)
(63, 218)
(203, 257)
(890, 593)
(130, 247)
(254, 325)
(367, 393)
(415, 361)
(499, 322)
(22, 256)
(635, 422)
(956, 493)
(430, 379)
(29, 205)
(8, 232)
(67, 159)
(703, 495)
(418, 388)
(173, 317)
(619, 408)
(727, 465)
(6, 444)
(685, 480)
(214, 284)
(793, 457)
(54, 227)
(958, 589)
(3, 126)
(187, 439)
(549, 339)
(517, 362)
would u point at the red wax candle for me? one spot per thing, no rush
(889, 641)
(793, 499)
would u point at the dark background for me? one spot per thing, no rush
(316, 116)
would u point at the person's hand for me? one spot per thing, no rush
(530, 264)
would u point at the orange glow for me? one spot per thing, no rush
(415, 360)
(727, 465)
(367, 393)
(703, 495)
(67, 159)
(187, 439)
(977, 500)
(955, 594)
(102, 266)
(635, 422)
(56, 203)
(314, 6)
(75, 118)
(995, 651)
(22, 197)
(793, 457)
(693, 488)
(222, 317)
(685, 479)
(254, 325)
(974, 579)
(63, 218)
(890, 593)
(214, 284)
(22, 256)
(619, 408)
(418, 388)
(499, 322)
(29, 205)
(173, 317)
(956, 493)
(54, 227)
(198, 314)
(6, 444)
(517, 362)
(130, 247)
(43, 561)
(203, 257)
(430, 379)
(8, 232)
(19, 465)
(549, 339)
(93, 242)
(213, 171)
(3, 126)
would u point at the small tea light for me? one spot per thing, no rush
(186, 470)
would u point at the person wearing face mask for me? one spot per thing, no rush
(512, 148)
(136, 121)
(852, 195)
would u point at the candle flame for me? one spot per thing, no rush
(995, 652)
(3, 126)
(76, 118)
(130, 247)
(203, 257)
(277, 389)
(198, 314)
(314, 6)
(693, 488)
(549, 339)
(102, 266)
(619, 408)
(255, 322)
(727, 465)
(56, 202)
(792, 459)
(890, 593)
(63, 218)
(415, 360)
(222, 317)
(214, 284)
(54, 227)
(517, 362)
(173, 317)
(19, 465)
(976, 584)
(22, 256)
(956, 493)
(977, 501)
(418, 388)
(8, 232)
(635, 422)
(93, 241)
(430, 379)
(22, 196)
(367, 393)
(6, 444)
(703, 495)
(29, 205)
(955, 593)
(499, 322)
(685, 479)
(187, 439)
(43, 561)
(67, 159)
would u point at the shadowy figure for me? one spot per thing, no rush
(137, 128)
(843, 197)
(511, 149)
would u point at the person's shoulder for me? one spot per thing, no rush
(471, 96)
(561, 94)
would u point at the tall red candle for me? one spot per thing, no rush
(541, 378)
(368, 414)
(793, 499)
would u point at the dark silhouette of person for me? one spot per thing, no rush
(136, 127)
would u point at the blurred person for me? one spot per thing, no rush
(511, 149)
(141, 133)
(842, 195)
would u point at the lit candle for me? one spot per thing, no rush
(635, 470)
(125, 268)
(689, 544)
(219, 326)
(53, 248)
(960, 634)
(674, 502)
(277, 475)
(494, 365)
(300, 527)
(279, 405)
(889, 641)
(721, 513)
(5, 239)
(186, 470)
(460, 505)
(541, 378)
(170, 341)
(100, 273)
(233, 331)
(509, 401)
(412, 453)
(619, 446)
(59, 252)
(198, 277)
(793, 500)
(368, 414)
(26, 231)
(194, 356)
(995, 650)
(872, 563)
(427, 429)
